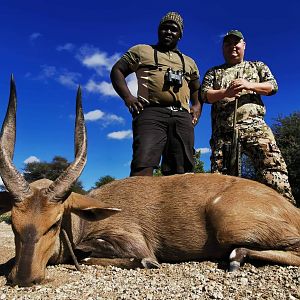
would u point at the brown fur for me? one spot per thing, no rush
(162, 219)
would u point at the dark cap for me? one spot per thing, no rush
(235, 33)
(173, 17)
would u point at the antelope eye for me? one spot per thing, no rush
(54, 227)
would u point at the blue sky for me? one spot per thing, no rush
(53, 46)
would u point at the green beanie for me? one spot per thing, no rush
(174, 17)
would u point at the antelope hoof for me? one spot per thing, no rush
(234, 266)
(150, 263)
(237, 257)
(87, 261)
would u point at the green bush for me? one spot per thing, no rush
(6, 218)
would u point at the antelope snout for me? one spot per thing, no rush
(23, 279)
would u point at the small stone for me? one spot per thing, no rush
(244, 281)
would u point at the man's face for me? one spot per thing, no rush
(233, 49)
(168, 35)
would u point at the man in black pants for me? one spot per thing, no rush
(163, 120)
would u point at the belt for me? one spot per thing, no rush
(171, 107)
(175, 108)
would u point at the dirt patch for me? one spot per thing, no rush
(7, 242)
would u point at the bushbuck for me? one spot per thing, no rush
(140, 221)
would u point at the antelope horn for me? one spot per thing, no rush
(62, 185)
(13, 180)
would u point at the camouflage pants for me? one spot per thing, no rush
(258, 143)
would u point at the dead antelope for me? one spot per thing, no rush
(141, 221)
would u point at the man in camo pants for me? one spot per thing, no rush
(245, 81)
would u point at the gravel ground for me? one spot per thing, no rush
(205, 280)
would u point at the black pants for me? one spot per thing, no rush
(160, 132)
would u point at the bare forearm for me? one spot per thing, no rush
(195, 102)
(118, 74)
(119, 83)
(196, 107)
(213, 96)
(194, 92)
(236, 87)
(262, 88)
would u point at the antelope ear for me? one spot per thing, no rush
(6, 202)
(88, 208)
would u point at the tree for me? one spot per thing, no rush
(77, 187)
(50, 170)
(103, 180)
(199, 164)
(157, 172)
(38, 170)
(287, 134)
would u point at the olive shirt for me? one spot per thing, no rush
(250, 105)
(151, 87)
